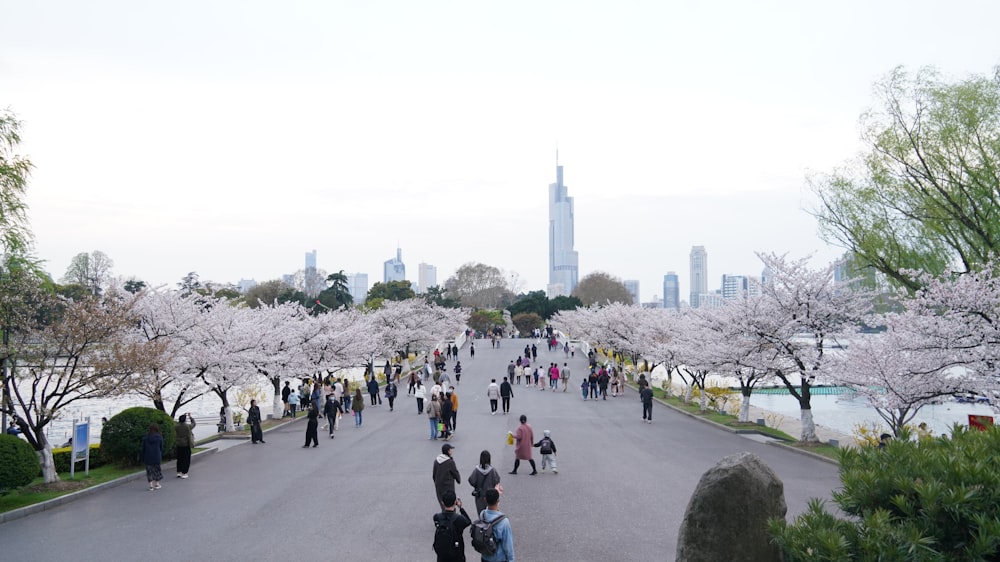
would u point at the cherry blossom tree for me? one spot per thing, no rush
(412, 324)
(67, 353)
(806, 311)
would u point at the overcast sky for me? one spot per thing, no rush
(229, 138)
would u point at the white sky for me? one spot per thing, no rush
(229, 138)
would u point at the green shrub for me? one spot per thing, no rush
(61, 458)
(121, 437)
(934, 499)
(18, 463)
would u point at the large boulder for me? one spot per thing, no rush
(727, 516)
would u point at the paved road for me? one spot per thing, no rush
(620, 494)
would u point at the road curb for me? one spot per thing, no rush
(777, 442)
(73, 496)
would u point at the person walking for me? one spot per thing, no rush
(547, 448)
(332, 411)
(357, 406)
(413, 382)
(312, 426)
(518, 372)
(454, 523)
(445, 418)
(483, 477)
(445, 473)
(564, 375)
(602, 383)
(183, 443)
(293, 403)
(472, 350)
(534, 352)
(592, 380)
(511, 370)
(458, 372)
(347, 396)
(285, 393)
(502, 532)
(493, 393)
(646, 395)
(420, 394)
(524, 437)
(390, 393)
(373, 390)
(454, 408)
(506, 393)
(317, 395)
(433, 413)
(253, 418)
(152, 456)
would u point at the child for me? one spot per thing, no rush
(547, 448)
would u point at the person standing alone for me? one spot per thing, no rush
(253, 418)
(152, 456)
(646, 395)
(183, 443)
(312, 426)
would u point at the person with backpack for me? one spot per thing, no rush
(492, 536)
(547, 447)
(483, 478)
(448, 526)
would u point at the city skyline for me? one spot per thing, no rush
(194, 141)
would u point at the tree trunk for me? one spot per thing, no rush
(279, 406)
(808, 427)
(688, 392)
(46, 461)
(230, 426)
(703, 401)
(745, 409)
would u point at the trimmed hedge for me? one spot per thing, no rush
(932, 499)
(121, 437)
(18, 463)
(61, 458)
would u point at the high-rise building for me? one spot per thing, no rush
(671, 291)
(357, 285)
(426, 277)
(699, 274)
(632, 286)
(395, 270)
(564, 267)
(312, 282)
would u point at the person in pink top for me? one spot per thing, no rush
(524, 438)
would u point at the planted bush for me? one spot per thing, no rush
(18, 463)
(933, 499)
(61, 457)
(121, 437)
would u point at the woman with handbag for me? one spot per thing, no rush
(483, 477)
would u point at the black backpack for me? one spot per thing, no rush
(545, 446)
(482, 535)
(445, 542)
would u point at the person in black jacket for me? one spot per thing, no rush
(253, 418)
(331, 410)
(646, 395)
(458, 521)
(312, 426)
(152, 456)
(506, 392)
(285, 393)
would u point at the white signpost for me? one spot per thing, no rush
(81, 446)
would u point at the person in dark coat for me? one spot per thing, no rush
(373, 391)
(445, 473)
(312, 426)
(390, 393)
(331, 409)
(483, 477)
(285, 393)
(253, 418)
(152, 456)
(454, 515)
(445, 419)
(183, 443)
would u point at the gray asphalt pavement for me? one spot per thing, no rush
(620, 494)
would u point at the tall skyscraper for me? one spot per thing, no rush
(699, 274)
(632, 286)
(311, 281)
(395, 270)
(357, 285)
(671, 291)
(426, 277)
(564, 268)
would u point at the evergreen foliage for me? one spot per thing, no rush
(121, 437)
(18, 463)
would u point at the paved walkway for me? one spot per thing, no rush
(620, 494)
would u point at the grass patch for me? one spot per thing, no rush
(38, 491)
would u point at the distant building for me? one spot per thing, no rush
(395, 270)
(734, 286)
(245, 285)
(632, 286)
(699, 274)
(312, 282)
(710, 300)
(671, 291)
(426, 277)
(288, 280)
(564, 268)
(657, 302)
(357, 285)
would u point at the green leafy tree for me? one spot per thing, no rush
(134, 285)
(525, 322)
(565, 303)
(438, 295)
(925, 194)
(601, 288)
(534, 302)
(15, 235)
(190, 283)
(391, 291)
(267, 292)
(336, 295)
(483, 320)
